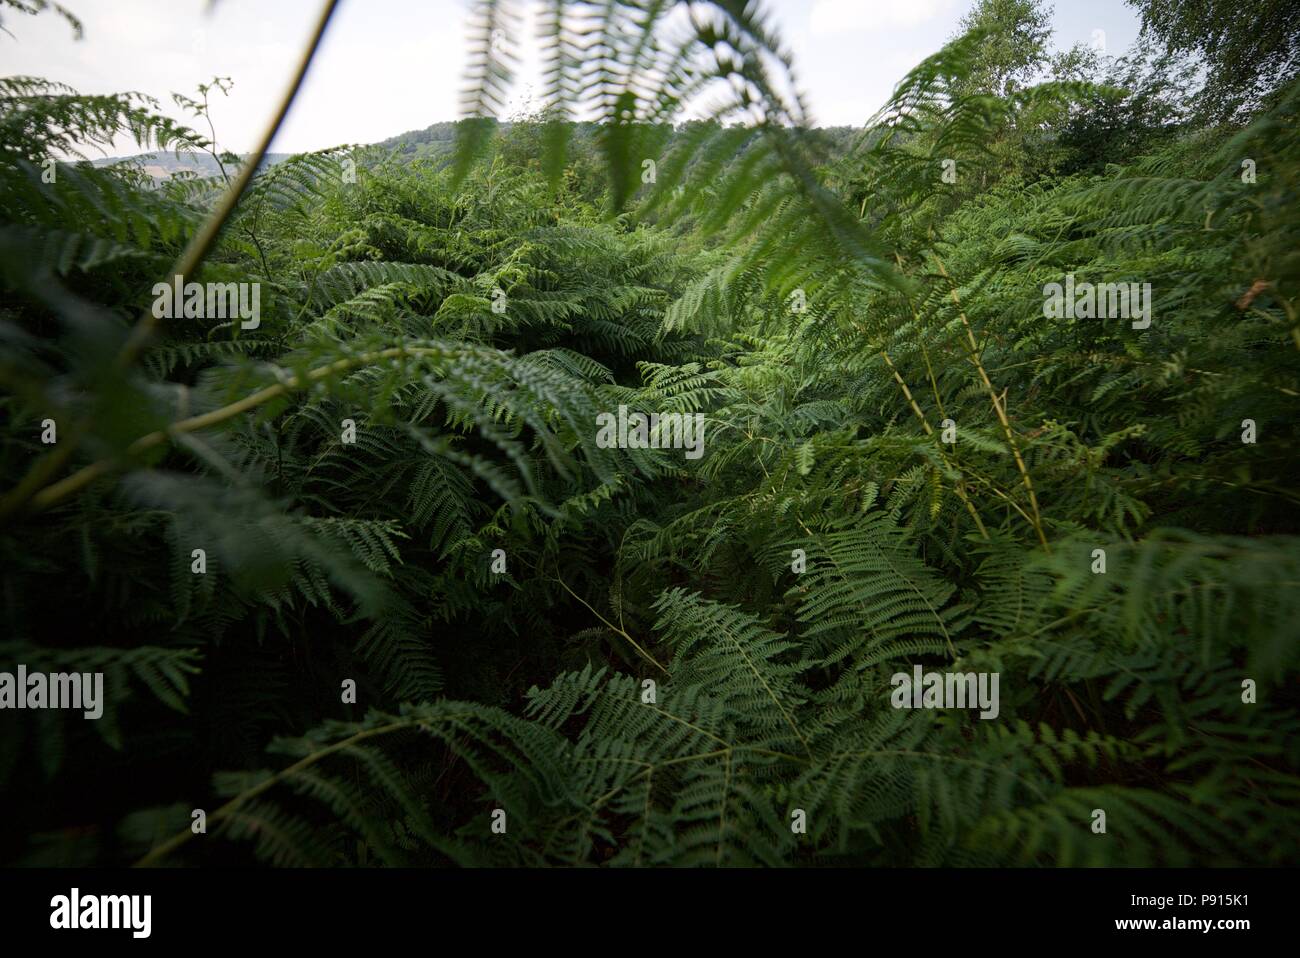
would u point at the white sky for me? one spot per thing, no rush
(388, 66)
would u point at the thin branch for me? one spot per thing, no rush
(190, 260)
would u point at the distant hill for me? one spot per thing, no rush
(433, 142)
(164, 165)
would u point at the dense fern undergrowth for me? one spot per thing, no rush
(656, 678)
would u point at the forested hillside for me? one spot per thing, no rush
(372, 579)
(166, 165)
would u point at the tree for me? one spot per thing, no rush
(1015, 47)
(1250, 51)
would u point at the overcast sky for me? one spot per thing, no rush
(388, 66)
